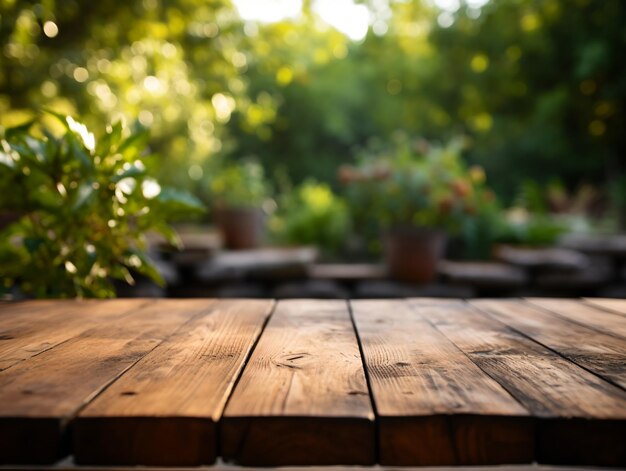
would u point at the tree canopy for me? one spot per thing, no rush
(539, 87)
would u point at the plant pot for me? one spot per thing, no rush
(241, 227)
(412, 253)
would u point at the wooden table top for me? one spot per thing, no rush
(414, 382)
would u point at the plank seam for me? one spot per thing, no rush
(140, 306)
(554, 313)
(38, 353)
(532, 417)
(589, 302)
(368, 382)
(413, 308)
(198, 313)
(485, 313)
(218, 428)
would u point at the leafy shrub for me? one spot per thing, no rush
(81, 208)
(239, 185)
(411, 183)
(312, 214)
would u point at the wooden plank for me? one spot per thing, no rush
(483, 274)
(596, 318)
(548, 258)
(33, 328)
(39, 397)
(434, 406)
(348, 271)
(580, 418)
(613, 305)
(164, 411)
(600, 353)
(303, 397)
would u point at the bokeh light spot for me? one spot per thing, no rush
(597, 128)
(80, 74)
(284, 75)
(479, 63)
(50, 29)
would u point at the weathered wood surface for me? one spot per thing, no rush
(594, 317)
(30, 328)
(596, 351)
(348, 271)
(40, 396)
(263, 263)
(399, 382)
(614, 305)
(542, 258)
(614, 244)
(484, 274)
(302, 398)
(164, 411)
(580, 417)
(418, 377)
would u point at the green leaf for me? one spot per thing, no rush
(78, 151)
(110, 141)
(83, 195)
(170, 234)
(6, 159)
(131, 171)
(37, 147)
(18, 130)
(146, 267)
(120, 272)
(180, 200)
(134, 144)
(33, 243)
(61, 117)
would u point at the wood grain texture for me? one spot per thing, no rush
(590, 316)
(614, 305)
(579, 416)
(164, 410)
(598, 352)
(433, 405)
(303, 398)
(39, 397)
(30, 328)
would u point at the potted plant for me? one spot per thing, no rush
(416, 195)
(84, 207)
(239, 192)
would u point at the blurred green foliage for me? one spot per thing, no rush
(536, 87)
(312, 214)
(239, 185)
(79, 209)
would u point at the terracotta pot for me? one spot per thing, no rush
(412, 253)
(241, 228)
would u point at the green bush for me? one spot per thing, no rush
(312, 214)
(239, 185)
(80, 209)
(412, 183)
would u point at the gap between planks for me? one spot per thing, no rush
(39, 397)
(579, 416)
(165, 410)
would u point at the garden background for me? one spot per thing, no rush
(281, 103)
